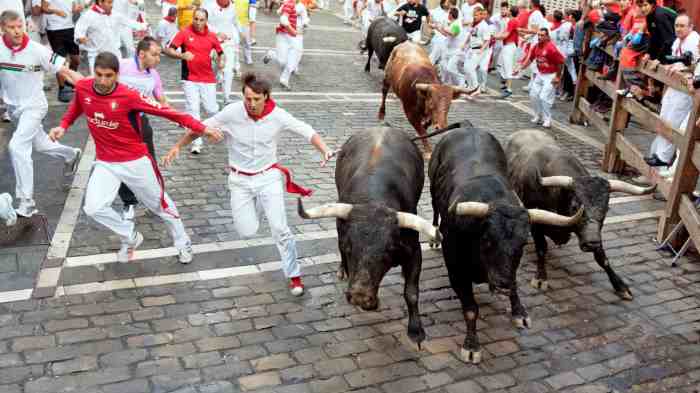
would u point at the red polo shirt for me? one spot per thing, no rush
(512, 30)
(200, 44)
(548, 57)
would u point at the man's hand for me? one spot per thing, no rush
(60, 13)
(56, 133)
(187, 56)
(214, 135)
(169, 158)
(222, 37)
(556, 81)
(82, 40)
(328, 155)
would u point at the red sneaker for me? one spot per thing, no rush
(296, 287)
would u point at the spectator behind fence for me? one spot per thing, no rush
(675, 105)
(660, 23)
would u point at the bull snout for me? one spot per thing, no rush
(363, 298)
(589, 246)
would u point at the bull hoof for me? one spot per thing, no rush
(522, 322)
(340, 275)
(416, 338)
(539, 284)
(470, 356)
(625, 294)
(433, 243)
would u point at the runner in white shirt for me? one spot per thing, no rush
(223, 21)
(22, 77)
(60, 32)
(298, 41)
(438, 44)
(562, 36)
(467, 13)
(454, 32)
(95, 31)
(372, 10)
(126, 24)
(167, 27)
(7, 212)
(252, 129)
(535, 22)
(37, 23)
(477, 51)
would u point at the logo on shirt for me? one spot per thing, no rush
(99, 121)
(99, 115)
(88, 100)
(114, 105)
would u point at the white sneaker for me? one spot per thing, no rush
(196, 149)
(536, 119)
(71, 166)
(7, 212)
(285, 84)
(6, 117)
(185, 255)
(547, 123)
(27, 208)
(526, 88)
(126, 252)
(128, 213)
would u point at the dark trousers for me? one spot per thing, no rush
(128, 197)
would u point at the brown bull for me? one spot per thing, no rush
(412, 77)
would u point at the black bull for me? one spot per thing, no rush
(382, 36)
(379, 177)
(483, 225)
(547, 177)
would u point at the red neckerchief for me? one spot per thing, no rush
(204, 31)
(555, 25)
(12, 47)
(223, 3)
(170, 19)
(269, 106)
(99, 10)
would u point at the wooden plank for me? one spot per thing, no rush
(593, 117)
(691, 219)
(651, 121)
(606, 86)
(696, 155)
(634, 158)
(675, 80)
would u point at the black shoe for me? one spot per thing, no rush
(654, 160)
(65, 95)
(506, 93)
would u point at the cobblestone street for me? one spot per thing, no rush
(72, 320)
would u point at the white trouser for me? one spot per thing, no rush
(366, 21)
(231, 63)
(438, 48)
(542, 95)
(663, 148)
(472, 59)
(507, 61)
(298, 43)
(139, 175)
(264, 193)
(571, 68)
(196, 93)
(126, 40)
(533, 74)
(452, 74)
(29, 135)
(245, 45)
(286, 55)
(415, 36)
(483, 70)
(347, 10)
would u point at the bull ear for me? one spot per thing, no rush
(337, 210)
(546, 217)
(556, 181)
(472, 209)
(621, 186)
(419, 224)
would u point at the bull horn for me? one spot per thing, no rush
(422, 86)
(557, 181)
(621, 186)
(538, 216)
(337, 210)
(462, 90)
(473, 209)
(389, 39)
(419, 224)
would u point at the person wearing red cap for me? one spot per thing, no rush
(252, 129)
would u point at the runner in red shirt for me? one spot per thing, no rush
(508, 56)
(196, 43)
(113, 116)
(549, 65)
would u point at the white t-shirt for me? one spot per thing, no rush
(374, 9)
(439, 16)
(467, 12)
(22, 74)
(223, 20)
(689, 44)
(55, 22)
(14, 5)
(166, 31)
(252, 145)
(536, 21)
(562, 38)
(302, 18)
(480, 34)
(100, 31)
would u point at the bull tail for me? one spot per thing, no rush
(463, 123)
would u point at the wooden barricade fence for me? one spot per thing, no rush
(620, 151)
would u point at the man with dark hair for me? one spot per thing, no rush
(140, 74)
(413, 13)
(252, 129)
(508, 57)
(196, 43)
(549, 61)
(23, 63)
(113, 116)
(660, 24)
